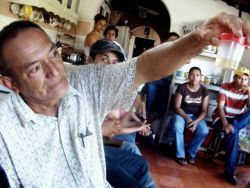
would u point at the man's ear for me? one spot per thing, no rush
(8, 82)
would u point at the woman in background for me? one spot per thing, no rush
(110, 33)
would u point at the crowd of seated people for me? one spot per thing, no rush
(191, 103)
(231, 115)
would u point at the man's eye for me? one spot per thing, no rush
(55, 53)
(105, 60)
(35, 69)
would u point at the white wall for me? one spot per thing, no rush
(184, 12)
(89, 8)
(246, 58)
(191, 11)
(206, 64)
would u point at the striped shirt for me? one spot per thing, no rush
(235, 101)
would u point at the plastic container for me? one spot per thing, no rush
(230, 51)
(181, 75)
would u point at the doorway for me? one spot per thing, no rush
(141, 45)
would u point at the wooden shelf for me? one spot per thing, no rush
(55, 7)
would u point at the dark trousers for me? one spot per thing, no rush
(157, 95)
(232, 140)
(3, 179)
(125, 169)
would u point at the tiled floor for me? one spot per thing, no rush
(204, 174)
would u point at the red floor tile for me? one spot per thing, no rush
(204, 174)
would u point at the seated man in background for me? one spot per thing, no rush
(231, 115)
(191, 102)
(108, 52)
(50, 134)
(157, 91)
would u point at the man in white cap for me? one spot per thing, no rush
(231, 115)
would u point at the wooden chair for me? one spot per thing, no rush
(216, 145)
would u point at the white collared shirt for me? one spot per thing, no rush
(65, 151)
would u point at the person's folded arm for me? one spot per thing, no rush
(225, 125)
(178, 109)
(221, 112)
(142, 128)
(204, 107)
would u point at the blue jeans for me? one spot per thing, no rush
(130, 147)
(125, 169)
(157, 95)
(232, 140)
(126, 137)
(3, 179)
(152, 89)
(200, 134)
(128, 142)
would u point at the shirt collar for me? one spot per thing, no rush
(26, 114)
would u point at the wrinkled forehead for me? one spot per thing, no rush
(26, 45)
(29, 36)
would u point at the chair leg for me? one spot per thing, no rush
(214, 147)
